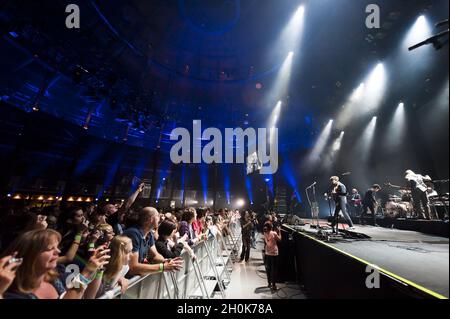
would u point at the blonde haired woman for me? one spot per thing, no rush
(37, 278)
(121, 249)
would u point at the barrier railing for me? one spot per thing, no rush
(210, 272)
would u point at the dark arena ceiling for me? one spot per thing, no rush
(137, 69)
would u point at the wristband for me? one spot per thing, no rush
(91, 246)
(99, 275)
(78, 238)
(84, 280)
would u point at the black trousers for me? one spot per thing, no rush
(341, 205)
(246, 246)
(422, 204)
(370, 207)
(271, 269)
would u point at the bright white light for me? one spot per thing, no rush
(276, 113)
(240, 203)
(367, 97)
(358, 93)
(420, 31)
(376, 87)
(397, 127)
(338, 143)
(314, 156)
(289, 41)
(365, 143)
(294, 29)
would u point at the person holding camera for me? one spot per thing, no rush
(8, 267)
(272, 235)
(38, 276)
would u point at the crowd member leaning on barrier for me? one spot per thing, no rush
(121, 248)
(38, 278)
(198, 223)
(144, 250)
(164, 244)
(188, 218)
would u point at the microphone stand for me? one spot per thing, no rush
(314, 206)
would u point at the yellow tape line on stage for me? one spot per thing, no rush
(386, 272)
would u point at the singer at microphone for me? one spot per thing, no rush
(339, 194)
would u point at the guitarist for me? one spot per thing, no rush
(421, 202)
(339, 195)
(369, 203)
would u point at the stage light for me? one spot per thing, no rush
(281, 82)
(358, 93)
(275, 115)
(338, 142)
(397, 127)
(420, 31)
(9, 195)
(366, 98)
(376, 87)
(240, 203)
(364, 145)
(330, 157)
(17, 197)
(248, 186)
(314, 156)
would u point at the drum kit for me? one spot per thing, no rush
(399, 206)
(402, 206)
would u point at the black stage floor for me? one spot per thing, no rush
(419, 259)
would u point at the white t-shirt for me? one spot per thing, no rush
(108, 285)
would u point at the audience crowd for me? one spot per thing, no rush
(76, 252)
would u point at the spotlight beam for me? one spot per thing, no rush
(365, 143)
(319, 147)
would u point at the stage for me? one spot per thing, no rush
(411, 264)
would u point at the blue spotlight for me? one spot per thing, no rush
(110, 175)
(227, 183)
(248, 185)
(290, 178)
(204, 178)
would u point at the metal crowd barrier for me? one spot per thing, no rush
(201, 278)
